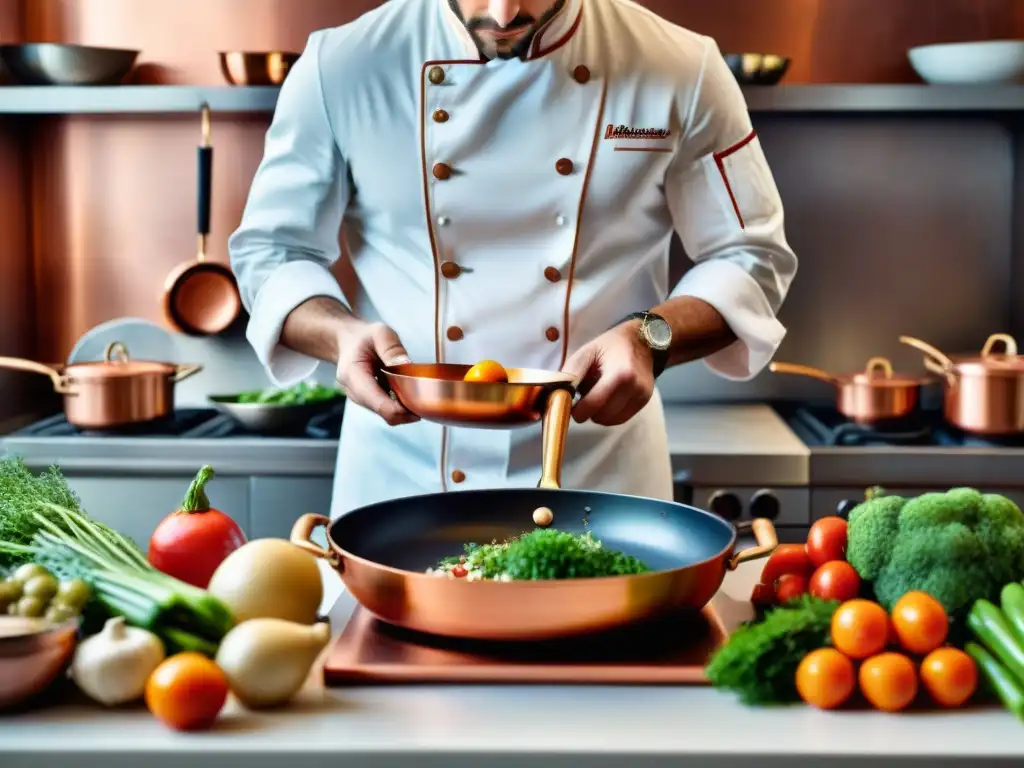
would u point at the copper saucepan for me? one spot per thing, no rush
(871, 396)
(381, 552)
(984, 394)
(114, 392)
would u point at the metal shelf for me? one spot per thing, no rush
(808, 99)
(132, 99)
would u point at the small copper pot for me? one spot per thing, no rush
(984, 394)
(114, 392)
(871, 396)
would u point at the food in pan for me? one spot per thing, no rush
(540, 555)
(487, 372)
(543, 516)
(303, 393)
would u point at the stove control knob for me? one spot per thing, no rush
(764, 504)
(845, 507)
(726, 505)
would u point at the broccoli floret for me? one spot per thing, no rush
(957, 546)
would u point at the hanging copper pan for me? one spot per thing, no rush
(984, 393)
(872, 396)
(114, 392)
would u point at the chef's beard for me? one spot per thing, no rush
(496, 48)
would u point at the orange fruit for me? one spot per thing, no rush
(888, 681)
(486, 372)
(825, 678)
(920, 622)
(860, 628)
(187, 692)
(950, 677)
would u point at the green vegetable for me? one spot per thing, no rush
(1011, 600)
(549, 554)
(989, 625)
(301, 394)
(999, 680)
(21, 493)
(759, 661)
(957, 546)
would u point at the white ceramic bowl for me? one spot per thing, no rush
(994, 61)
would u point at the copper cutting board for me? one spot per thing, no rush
(673, 651)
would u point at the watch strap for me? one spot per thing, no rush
(659, 357)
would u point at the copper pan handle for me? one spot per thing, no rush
(60, 383)
(302, 537)
(934, 353)
(802, 370)
(1009, 345)
(938, 370)
(556, 426)
(764, 535)
(182, 372)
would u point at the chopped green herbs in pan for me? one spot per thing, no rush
(301, 394)
(539, 556)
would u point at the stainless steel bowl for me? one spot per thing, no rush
(273, 419)
(757, 68)
(256, 67)
(63, 64)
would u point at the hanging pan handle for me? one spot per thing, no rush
(302, 537)
(204, 175)
(556, 427)
(765, 537)
(802, 370)
(938, 370)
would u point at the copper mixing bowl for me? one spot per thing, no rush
(256, 67)
(437, 393)
(31, 660)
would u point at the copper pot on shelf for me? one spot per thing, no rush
(872, 396)
(114, 392)
(984, 393)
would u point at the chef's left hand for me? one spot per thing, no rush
(616, 375)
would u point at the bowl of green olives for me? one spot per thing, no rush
(39, 617)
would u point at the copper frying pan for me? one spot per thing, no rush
(201, 297)
(871, 396)
(382, 551)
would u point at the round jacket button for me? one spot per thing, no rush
(581, 74)
(450, 270)
(435, 75)
(443, 221)
(442, 171)
(564, 166)
(552, 274)
(458, 476)
(440, 116)
(454, 333)
(551, 334)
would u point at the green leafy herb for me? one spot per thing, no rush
(303, 393)
(759, 661)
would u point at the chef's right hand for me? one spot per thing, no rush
(363, 351)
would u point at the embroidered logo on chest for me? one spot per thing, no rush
(638, 139)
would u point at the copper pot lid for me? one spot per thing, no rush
(877, 373)
(117, 362)
(990, 362)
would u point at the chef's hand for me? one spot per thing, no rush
(616, 373)
(364, 350)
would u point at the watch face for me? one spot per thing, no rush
(659, 333)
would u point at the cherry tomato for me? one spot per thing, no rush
(790, 587)
(787, 558)
(763, 594)
(458, 571)
(835, 580)
(825, 678)
(826, 540)
(949, 676)
(920, 622)
(187, 692)
(888, 681)
(860, 628)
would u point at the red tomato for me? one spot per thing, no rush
(458, 571)
(786, 559)
(763, 594)
(790, 587)
(836, 580)
(826, 540)
(190, 543)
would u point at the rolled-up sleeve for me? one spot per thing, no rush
(728, 213)
(289, 235)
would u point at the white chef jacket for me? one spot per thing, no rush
(510, 210)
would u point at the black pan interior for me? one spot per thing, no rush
(414, 533)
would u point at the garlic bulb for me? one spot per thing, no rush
(268, 660)
(112, 667)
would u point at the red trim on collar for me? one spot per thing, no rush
(540, 51)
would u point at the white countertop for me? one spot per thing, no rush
(563, 726)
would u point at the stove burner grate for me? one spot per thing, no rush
(826, 426)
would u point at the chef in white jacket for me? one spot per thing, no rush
(509, 175)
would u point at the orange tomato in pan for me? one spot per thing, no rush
(487, 372)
